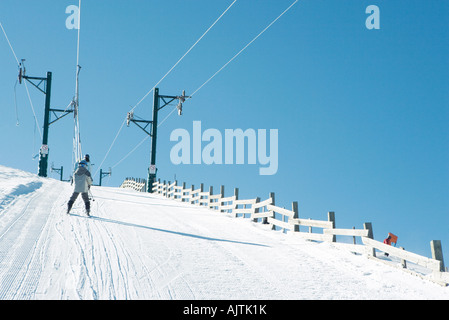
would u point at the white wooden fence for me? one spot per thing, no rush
(135, 184)
(288, 220)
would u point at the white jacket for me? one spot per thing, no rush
(82, 179)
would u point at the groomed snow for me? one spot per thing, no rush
(142, 246)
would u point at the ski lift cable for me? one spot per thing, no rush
(68, 106)
(244, 48)
(129, 153)
(110, 147)
(236, 55)
(140, 143)
(169, 71)
(26, 86)
(18, 63)
(160, 123)
(77, 139)
(7, 39)
(215, 74)
(32, 108)
(78, 41)
(185, 54)
(137, 146)
(77, 150)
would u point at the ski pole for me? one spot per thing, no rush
(91, 195)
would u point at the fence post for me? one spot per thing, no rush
(182, 191)
(368, 226)
(211, 192)
(200, 196)
(236, 195)
(174, 189)
(437, 252)
(167, 195)
(353, 238)
(265, 220)
(403, 262)
(295, 215)
(256, 210)
(331, 218)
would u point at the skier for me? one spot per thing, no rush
(391, 239)
(83, 181)
(87, 158)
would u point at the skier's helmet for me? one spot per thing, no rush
(83, 163)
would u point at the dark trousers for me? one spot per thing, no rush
(75, 195)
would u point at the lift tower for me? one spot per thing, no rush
(44, 86)
(157, 106)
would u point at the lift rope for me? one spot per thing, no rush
(7, 39)
(208, 80)
(233, 58)
(169, 71)
(20, 66)
(77, 150)
(185, 54)
(18, 63)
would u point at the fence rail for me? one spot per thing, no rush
(287, 220)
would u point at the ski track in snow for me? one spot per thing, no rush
(143, 246)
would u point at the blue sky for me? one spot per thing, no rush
(362, 114)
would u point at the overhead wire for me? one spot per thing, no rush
(77, 137)
(18, 63)
(129, 153)
(110, 147)
(141, 142)
(7, 39)
(235, 56)
(185, 54)
(26, 86)
(244, 48)
(32, 108)
(215, 74)
(77, 150)
(168, 72)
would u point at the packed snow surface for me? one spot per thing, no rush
(143, 246)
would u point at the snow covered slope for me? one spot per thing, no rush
(142, 246)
